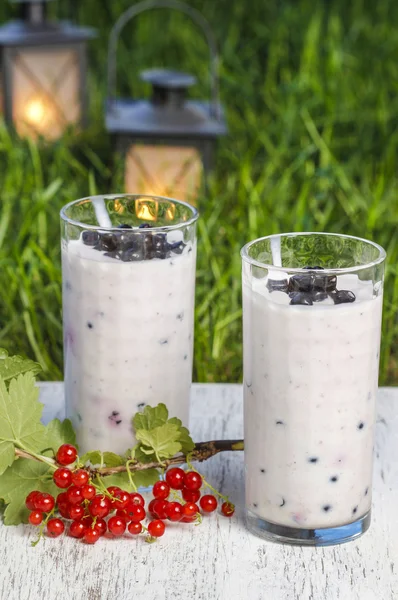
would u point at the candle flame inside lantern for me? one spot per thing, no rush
(35, 111)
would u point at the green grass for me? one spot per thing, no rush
(311, 95)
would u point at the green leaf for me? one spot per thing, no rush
(7, 455)
(20, 414)
(162, 440)
(102, 459)
(151, 417)
(12, 366)
(59, 432)
(187, 443)
(18, 481)
(140, 478)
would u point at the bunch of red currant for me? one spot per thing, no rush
(87, 505)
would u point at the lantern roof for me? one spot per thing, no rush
(23, 33)
(167, 113)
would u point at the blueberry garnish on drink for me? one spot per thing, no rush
(301, 298)
(277, 285)
(313, 286)
(90, 238)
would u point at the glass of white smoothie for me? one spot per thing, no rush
(128, 270)
(312, 306)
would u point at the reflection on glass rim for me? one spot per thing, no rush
(266, 265)
(160, 199)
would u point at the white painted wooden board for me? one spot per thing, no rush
(219, 559)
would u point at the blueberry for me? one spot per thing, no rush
(334, 479)
(313, 459)
(180, 316)
(130, 255)
(255, 504)
(177, 247)
(282, 503)
(366, 491)
(147, 246)
(300, 298)
(317, 268)
(343, 296)
(144, 226)
(107, 241)
(301, 283)
(279, 422)
(130, 240)
(318, 296)
(90, 325)
(141, 405)
(90, 238)
(326, 507)
(124, 226)
(324, 283)
(354, 510)
(160, 246)
(277, 285)
(361, 425)
(262, 470)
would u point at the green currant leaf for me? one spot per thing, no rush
(7, 455)
(59, 432)
(163, 440)
(102, 459)
(187, 444)
(140, 478)
(141, 456)
(20, 413)
(12, 366)
(151, 417)
(18, 481)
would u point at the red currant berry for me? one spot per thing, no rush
(74, 495)
(77, 529)
(45, 502)
(208, 503)
(55, 527)
(76, 512)
(136, 498)
(175, 478)
(30, 501)
(121, 500)
(100, 506)
(134, 528)
(227, 509)
(80, 477)
(91, 536)
(100, 526)
(192, 480)
(136, 513)
(188, 520)
(117, 525)
(150, 507)
(190, 495)
(88, 492)
(62, 478)
(35, 517)
(156, 528)
(66, 454)
(161, 490)
(159, 509)
(190, 509)
(174, 511)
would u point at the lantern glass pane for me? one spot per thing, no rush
(170, 171)
(45, 88)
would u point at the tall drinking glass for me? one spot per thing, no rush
(312, 306)
(128, 268)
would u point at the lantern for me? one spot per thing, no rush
(167, 141)
(42, 72)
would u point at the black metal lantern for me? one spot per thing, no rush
(42, 72)
(167, 141)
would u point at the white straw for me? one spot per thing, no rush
(276, 259)
(101, 213)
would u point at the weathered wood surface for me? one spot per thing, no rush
(218, 560)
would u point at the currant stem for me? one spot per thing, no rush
(206, 483)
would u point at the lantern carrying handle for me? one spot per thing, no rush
(195, 16)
